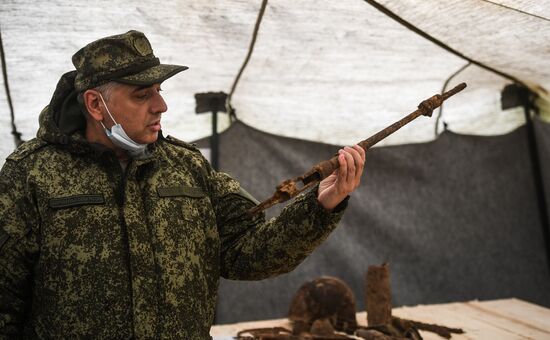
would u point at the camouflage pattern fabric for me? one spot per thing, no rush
(127, 58)
(90, 251)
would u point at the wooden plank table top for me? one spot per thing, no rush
(495, 319)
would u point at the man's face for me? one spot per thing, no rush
(138, 109)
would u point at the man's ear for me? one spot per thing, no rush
(92, 104)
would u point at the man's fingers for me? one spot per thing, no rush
(357, 157)
(343, 169)
(360, 163)
(350, 163)
(361, 151)
(358, 160)
(355, 162)
(346, 185)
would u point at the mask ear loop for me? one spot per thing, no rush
(109, 112)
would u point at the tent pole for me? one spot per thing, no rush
(212, 102)
(214, 145)
(537, 173)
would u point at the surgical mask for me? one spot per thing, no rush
(118, 136)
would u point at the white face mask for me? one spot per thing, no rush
(118, 136)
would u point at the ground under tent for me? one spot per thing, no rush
(457, 219)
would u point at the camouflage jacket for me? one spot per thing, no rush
(88, 250)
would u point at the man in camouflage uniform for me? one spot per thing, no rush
(110, 230)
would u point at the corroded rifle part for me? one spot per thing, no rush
(381, 324)
(378, 295)
(292, 187)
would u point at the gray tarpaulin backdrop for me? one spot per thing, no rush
(456, 218)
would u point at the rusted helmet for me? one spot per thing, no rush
(323, 298)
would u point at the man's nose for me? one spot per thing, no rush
(158, 105)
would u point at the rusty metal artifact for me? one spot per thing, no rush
(381, 324)
(290, 188)
(378, 295)
(322, 309)
(325, 298)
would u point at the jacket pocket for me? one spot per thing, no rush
(176, 191)
(193, 201)
(75, 201)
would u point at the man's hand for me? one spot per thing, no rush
(337, 186)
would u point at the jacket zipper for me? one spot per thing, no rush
(120, 199)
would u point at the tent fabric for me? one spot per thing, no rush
(455, 215)
(324, 71)
(456, 218)
(487, 31)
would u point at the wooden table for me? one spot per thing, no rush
(496, 319)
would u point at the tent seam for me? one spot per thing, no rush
(516, 10)
(16, 134)
(440, 111)
(438, 42)
(249, 54)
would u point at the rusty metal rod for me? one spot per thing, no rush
(289, 189)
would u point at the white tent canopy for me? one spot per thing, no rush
(327, 71)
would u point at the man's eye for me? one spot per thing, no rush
(147, 93)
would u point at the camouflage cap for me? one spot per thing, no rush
(125, 58)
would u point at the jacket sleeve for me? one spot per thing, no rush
(18, 249)
(253, 248)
